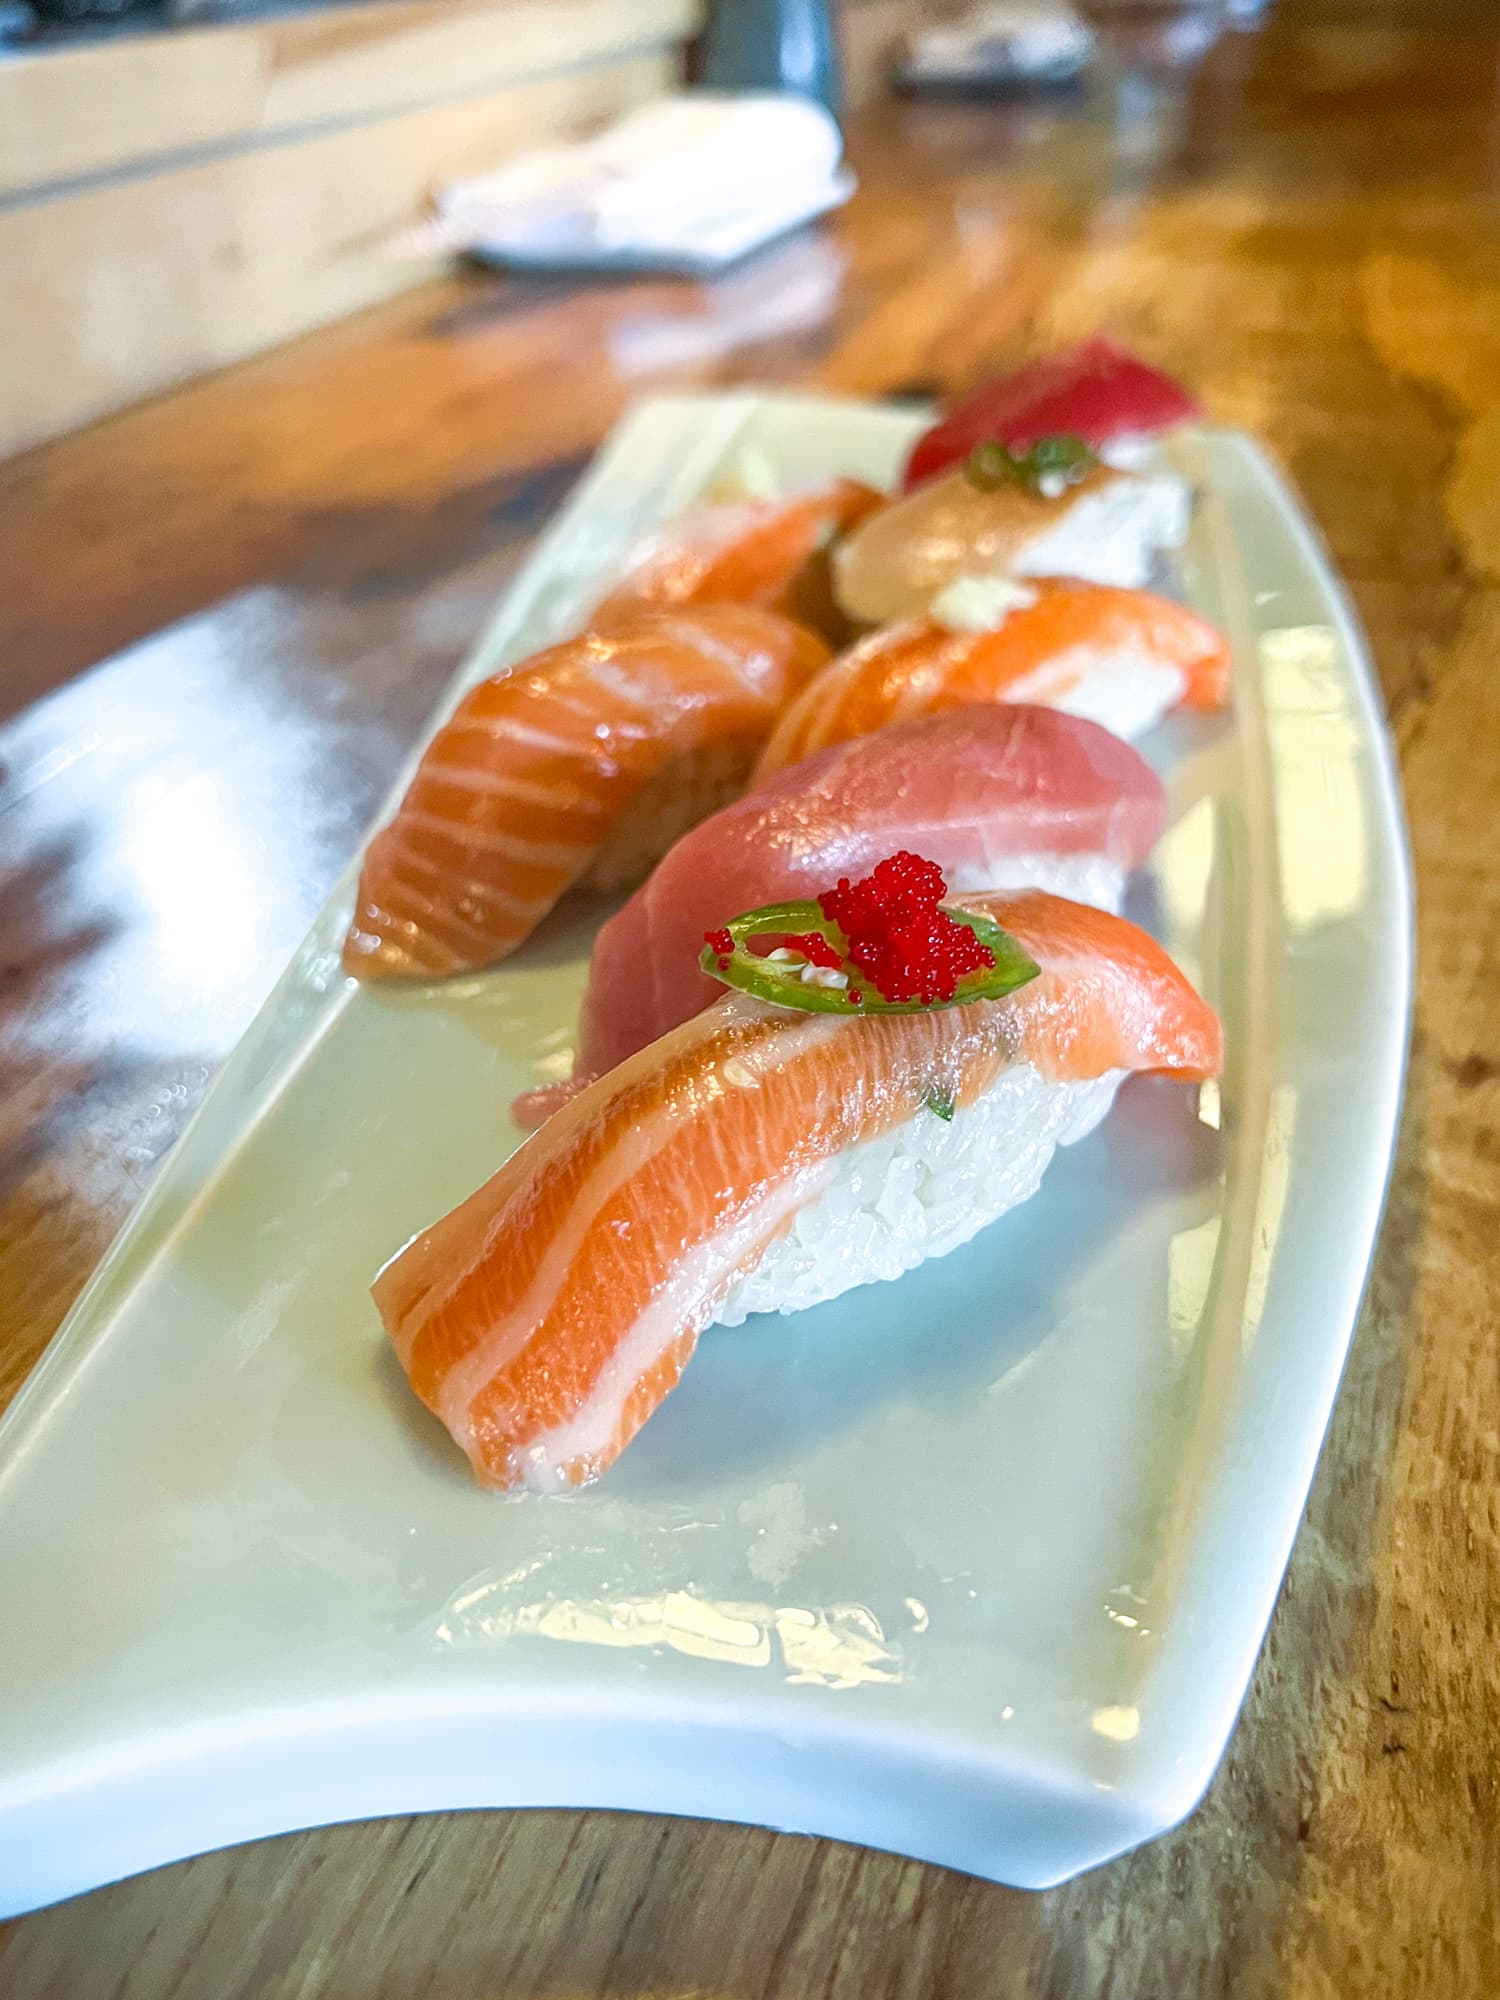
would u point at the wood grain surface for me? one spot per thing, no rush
(146, 274)
(101, 106)
(232, 608)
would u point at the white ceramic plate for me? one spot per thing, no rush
(974, 1566)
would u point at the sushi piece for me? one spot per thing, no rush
(757, 1158)
(1119, 657)
(1003, 516)
(998, 797)
(753, 551)
(583, 763)
(1096, 392)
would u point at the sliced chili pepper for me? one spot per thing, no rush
(1050, 466)
(781, 981)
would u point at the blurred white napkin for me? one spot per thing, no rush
(690, 180)
(1000, 41)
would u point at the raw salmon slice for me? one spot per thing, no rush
(545, 1318)
(590, 757)
(745, 552)
(1119, 657)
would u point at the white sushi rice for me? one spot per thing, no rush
(1113, 533)
(1127, 693)
(1132, 453)
(921, 1191)
(1083, 878)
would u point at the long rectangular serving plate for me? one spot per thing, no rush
(973, 1567)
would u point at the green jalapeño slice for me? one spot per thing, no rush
(1049, 468)
(802, 961)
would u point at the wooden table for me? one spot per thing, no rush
(277, 570)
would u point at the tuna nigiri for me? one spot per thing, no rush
(729, 1168)
(998, 797)
(1096, 523)
(585, 761)
(1120, 657)
(743, 552)
(1096, 392)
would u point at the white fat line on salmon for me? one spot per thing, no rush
(400, 1288)
(598, 725)
(498, 1345)
(433, 953)
(536, 853)
(521, 732)
(389, 923)
(748, 665)
(626, 684)
(495, 1349)
(424, 948)
(529, 791)
(440, 922)
(473, 886)
(684, 1306)
(584, 703)
(420, 958)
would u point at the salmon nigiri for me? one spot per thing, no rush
(998, 797)
(733, 1166)
(585, 761)
(1120, 657)
(752, 551)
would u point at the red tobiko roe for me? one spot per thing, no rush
(722, 944)
(1096, 392)
(814, 947)
(906, 945)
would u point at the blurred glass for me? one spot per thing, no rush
(771, 45)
